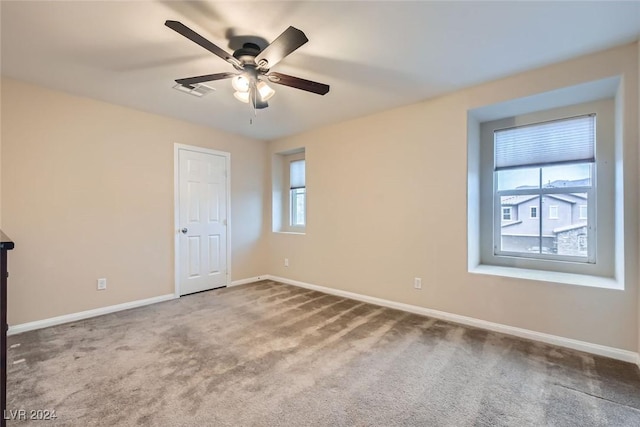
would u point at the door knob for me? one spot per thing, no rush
(184, 230)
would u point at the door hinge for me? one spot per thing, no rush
(224, 222)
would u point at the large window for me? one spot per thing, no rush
(558, 167)
(546, 167)
(297, 194)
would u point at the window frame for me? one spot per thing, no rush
(504, 211)
(531, 210)
(281, 191)
(292, 192)
(483, 260)
(540, 191)
(586, 210)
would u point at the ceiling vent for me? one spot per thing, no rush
(197, 89)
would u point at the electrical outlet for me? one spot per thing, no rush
(417, 283)
(102, 284)
(286, 262)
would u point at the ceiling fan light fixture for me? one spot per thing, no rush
(240, 83)
(242, 96)
(266, 92)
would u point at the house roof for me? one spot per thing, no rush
(507, 224)
(560, 183)
(517, 200)
(375, 55)
(567, 198)
(569, 227)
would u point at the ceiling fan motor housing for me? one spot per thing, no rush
(247, 53)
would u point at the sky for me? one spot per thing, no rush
(511, 179)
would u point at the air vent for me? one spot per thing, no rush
(197, 89)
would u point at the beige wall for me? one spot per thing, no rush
(387, 203)
(87, 191)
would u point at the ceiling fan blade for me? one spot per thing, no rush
(187, 32)
(291, 39)
(206, 78)
(298, 83)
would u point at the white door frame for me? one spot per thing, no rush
(176, 207)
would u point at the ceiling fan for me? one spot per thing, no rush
(252, 66)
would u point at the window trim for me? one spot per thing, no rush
(281, 191)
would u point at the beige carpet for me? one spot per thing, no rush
(268, 354)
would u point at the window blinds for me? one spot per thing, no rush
(296, 174)
(561, 141)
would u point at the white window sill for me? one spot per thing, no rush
(300, 233)
(549, 276)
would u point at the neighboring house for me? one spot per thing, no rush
(557, 223)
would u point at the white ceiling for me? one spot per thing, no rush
(374, 55)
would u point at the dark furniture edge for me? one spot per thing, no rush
(5, 242)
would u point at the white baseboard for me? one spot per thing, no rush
(601, 350)
(614, 353)
(248, 280)
(45, 323)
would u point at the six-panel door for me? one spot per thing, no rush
(202, 222)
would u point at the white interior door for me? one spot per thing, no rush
(202, 220)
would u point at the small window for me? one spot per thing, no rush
(297, 193)
(583, 212)
(506, 214)
(289, 191)
(553, 212)
(533, 212)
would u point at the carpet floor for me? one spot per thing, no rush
(269, 354)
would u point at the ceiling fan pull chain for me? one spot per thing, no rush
(255, 100)
(252, 105)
